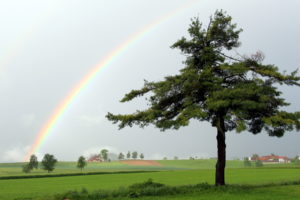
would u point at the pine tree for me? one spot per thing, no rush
(232, 93)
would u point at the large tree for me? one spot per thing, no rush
(49, 162)
(231, 92)
(33, 162)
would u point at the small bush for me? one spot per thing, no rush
(148, 183)
(147, 188)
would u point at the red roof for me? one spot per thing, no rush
(272, 158)
(94, 158)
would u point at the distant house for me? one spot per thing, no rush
(272, 159)
(95, 158)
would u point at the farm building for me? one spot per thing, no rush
(272, 159)
(95, 158)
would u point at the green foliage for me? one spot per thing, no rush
(81, 163)
(49, 162)
(121, 156)
(33, 162)
(247, 162)
(258, 163)
(128, 155)
(142, 156)
(134, 155)
(212, 85)
(104, 154)
(230, 93)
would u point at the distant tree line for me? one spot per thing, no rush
(134, 155)
(104, 156)
(48, 163)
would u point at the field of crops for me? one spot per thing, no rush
(173, 173)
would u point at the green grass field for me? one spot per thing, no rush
(15, 169)
(263, 193)
(173, 173)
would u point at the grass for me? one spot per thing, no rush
(199, 164)
(17, 188)
(15, 169)
(291, 192)
(172, 173)
(204, 191)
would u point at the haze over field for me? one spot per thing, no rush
(46, 48)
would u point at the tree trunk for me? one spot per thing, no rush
(221, 162)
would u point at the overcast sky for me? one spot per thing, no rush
(46, 47)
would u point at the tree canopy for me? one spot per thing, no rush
(121, 156)
(128, 155)
(49, 162)
(33, 162)
(81, 163)
(104, 154)
(134, 155)
(231, 92)
(142, 156)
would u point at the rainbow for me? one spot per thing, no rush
(89, 77)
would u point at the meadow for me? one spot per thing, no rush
(264, 182)
(15, 169)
